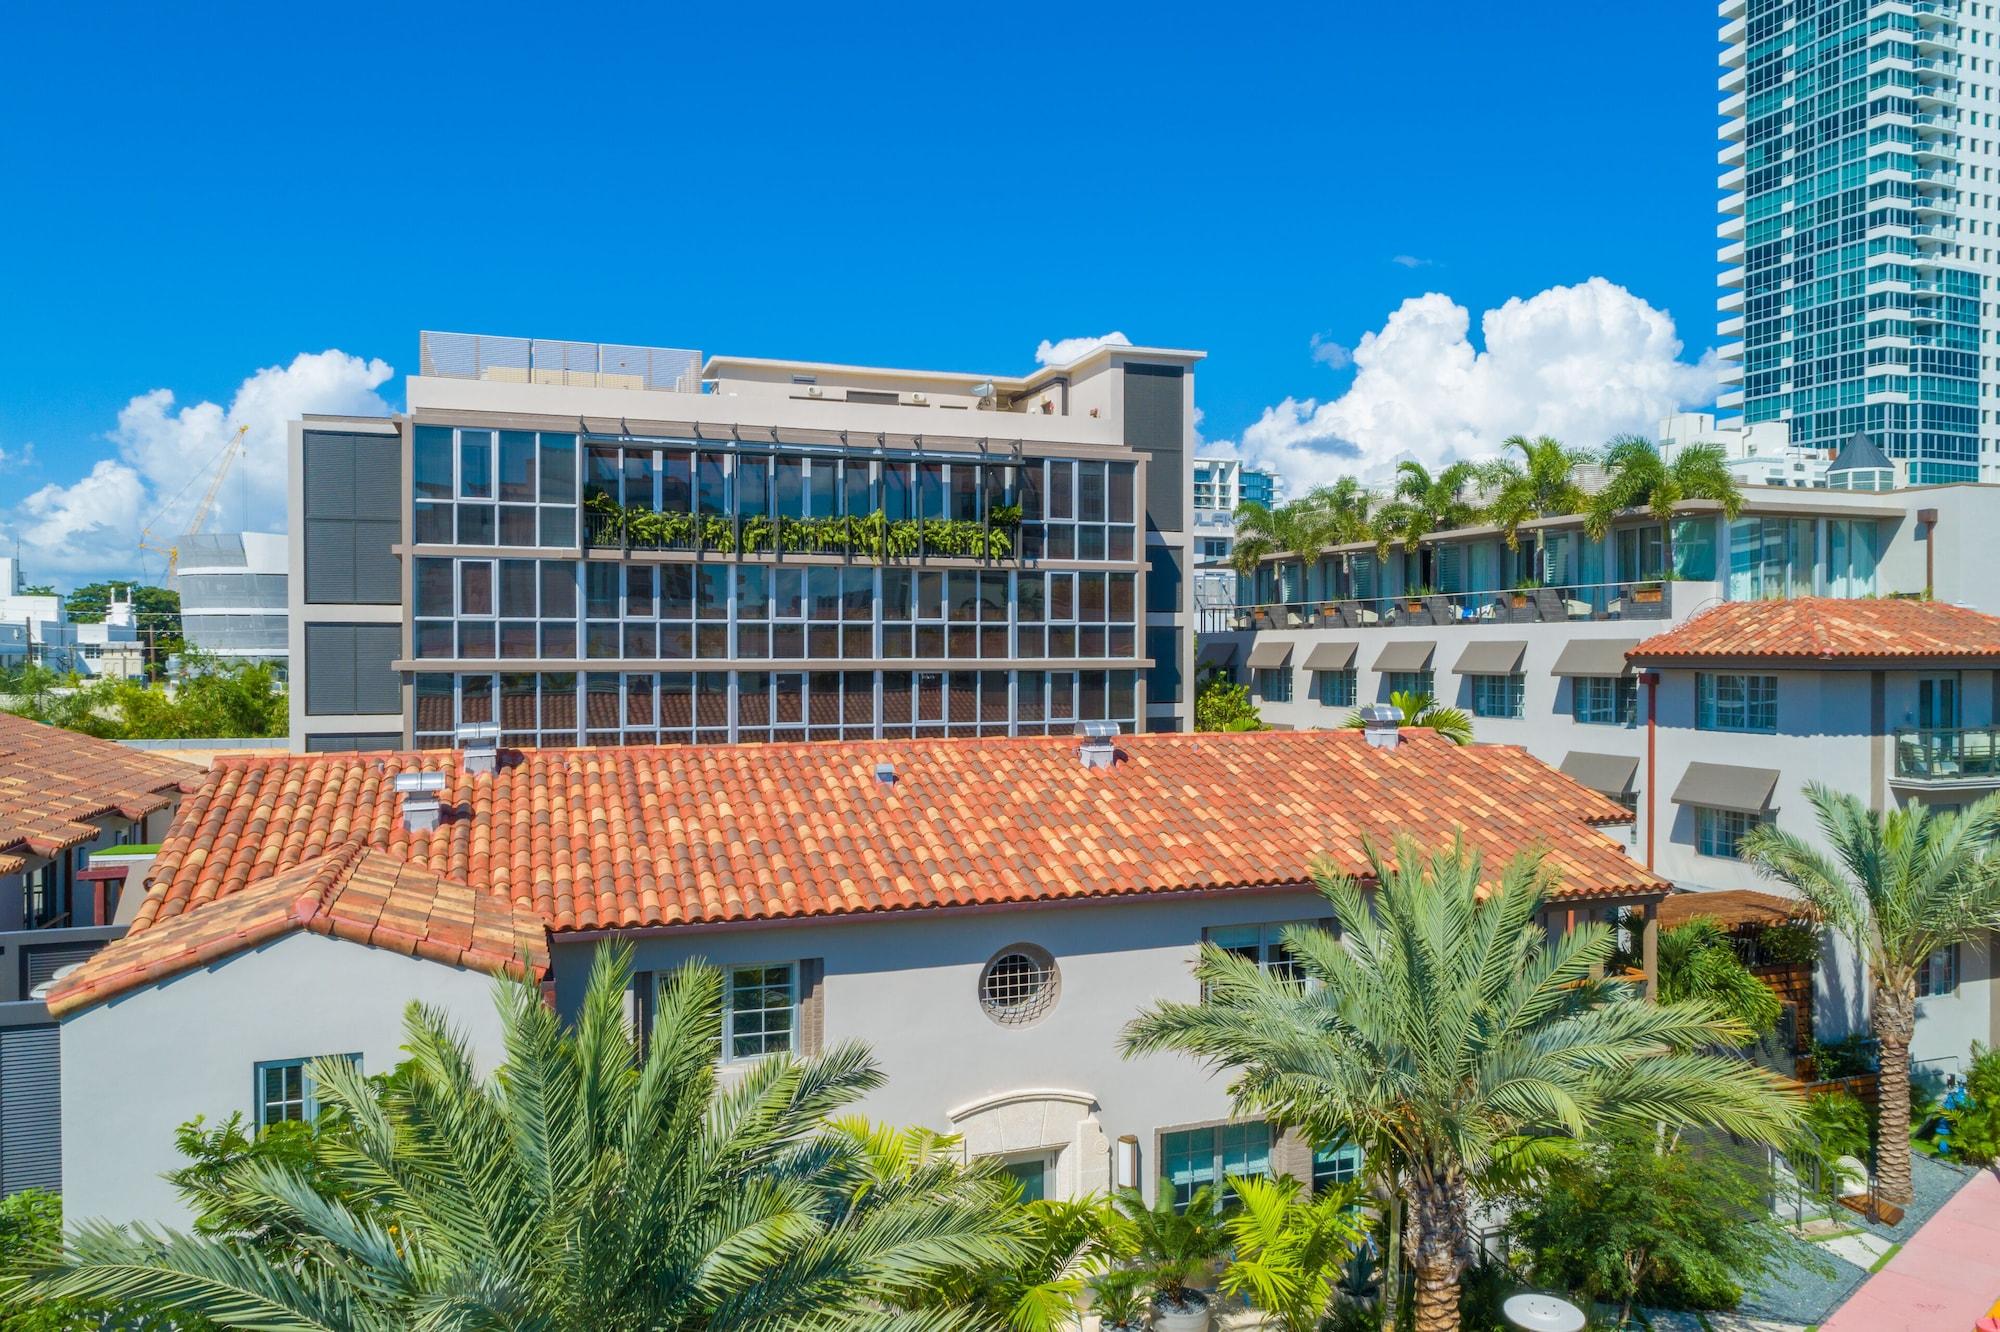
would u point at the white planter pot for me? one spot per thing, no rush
(1171, 1318)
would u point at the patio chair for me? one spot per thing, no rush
(1294, 620)
(1549, 605)
(1444, 610)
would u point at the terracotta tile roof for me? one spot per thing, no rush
(54, 782)
(1828, 629)
(355, 893)
(612, 837)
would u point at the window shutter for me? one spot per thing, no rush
(30, 1109)
(329, 557)
(812, 1005)
(329, 669)
(377, 686)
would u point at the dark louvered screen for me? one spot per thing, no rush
(30, 1109)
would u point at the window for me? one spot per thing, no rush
(1606, 700)
(1263, 944)
(1939, 977)
(1031, 1174)
(1736, 702)
(761, 1016)
(1335, 1164)
(1497, 695)
(1019, 985)
(1275, 685)
(1204, 1157)
(1407, 682)
(284, 1090)
(1719, 831)
(1336, 688)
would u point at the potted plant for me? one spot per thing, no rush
(1118, 1298)
(1414, 597)
(1521, 591)
(1174, 1249)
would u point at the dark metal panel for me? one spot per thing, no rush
(1163, 678)
(1155, 425)
(329, 556)
(378, 574)
(328, 460)
(377, 688)
(30, 1109)
(1164, 581)
(329, 670)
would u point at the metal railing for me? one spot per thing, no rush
(545, 361)
(1957, 754)
(1561, 603)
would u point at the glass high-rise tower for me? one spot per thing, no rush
(1858, 239)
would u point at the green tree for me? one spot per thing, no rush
(157, 610)
(1423, 710)
(1542, 484)
(31, 1236)
(1900, 886)
(1425, 503)
(584, 1185)
(1641, 1219)
(1447, 1034)
(1224, 706)
(1289, 1248)
(1697, 961)
(1296, 531)
(212, 699)
(1640, 479)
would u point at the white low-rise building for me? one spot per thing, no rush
(985, 914)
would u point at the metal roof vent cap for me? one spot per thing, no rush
(1100, 743)
(421, 808)
(481, 743)
(1382, 724)
(885, 773)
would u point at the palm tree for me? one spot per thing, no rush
(1423, 710)
(1434, 503)
(1640, 479)
(1291, 1249)
(584, 1185)
(1446, 1033)
(1900, 886)
(1697, 962)
(1299, 529)
(1541, 485)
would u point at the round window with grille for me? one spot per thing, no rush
(1019, 985)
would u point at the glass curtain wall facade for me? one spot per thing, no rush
(1846, 278)
(747, 594)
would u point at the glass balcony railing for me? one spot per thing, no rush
(1959, 754)
(1647, 599)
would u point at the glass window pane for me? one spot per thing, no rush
(475, 464)
(431, 462)
(557, 468)
(517, 465)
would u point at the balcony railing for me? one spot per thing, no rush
(547, 361)
(1959, 754)
(1563, 603)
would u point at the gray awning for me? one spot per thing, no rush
(1215, 654)
(1610, 774)
(1269, 654)
(1595, 656)
(1493, 657)
(1331, 657)
(1725, 786)
(1405, 657)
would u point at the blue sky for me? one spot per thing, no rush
(196, 198)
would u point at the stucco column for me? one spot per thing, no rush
(1649, 947)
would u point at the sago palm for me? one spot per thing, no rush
(1446, 1033)
(1900, 886)
(1454, 724)
(1638, 478)
(582, 1186)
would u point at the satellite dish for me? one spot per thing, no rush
(1542, 1313)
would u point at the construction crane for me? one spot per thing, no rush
(224, 459)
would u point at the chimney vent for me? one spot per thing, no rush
(1382, 724)
(481, 743)
(1099, 748)
(420, 799)
(885, 773)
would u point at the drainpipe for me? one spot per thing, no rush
(1651, 679)
(1929, 517)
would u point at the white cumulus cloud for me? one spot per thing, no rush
(1332, 354)
(1075, 349)
(163, 458)
(1581, 363)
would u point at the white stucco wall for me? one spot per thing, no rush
(138, 1067)
(907, 986)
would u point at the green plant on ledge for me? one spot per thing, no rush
(873, 535)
